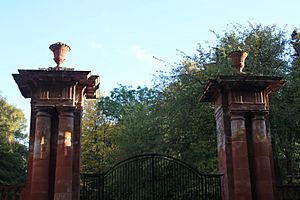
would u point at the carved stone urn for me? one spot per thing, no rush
(238, 59)
(59, 50)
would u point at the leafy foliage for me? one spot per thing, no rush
(13, 152)
(169, 119)
(286, 127)
(267, 47)
(98, 146)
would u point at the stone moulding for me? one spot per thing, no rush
(268, 83)
(29, 80)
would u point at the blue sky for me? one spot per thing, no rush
(118, 39)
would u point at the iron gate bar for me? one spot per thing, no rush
(151, 177)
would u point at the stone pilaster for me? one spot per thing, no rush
(240, 162)
(262, 159)
(25, 192)
(76, 153)
(64, 156)
(41, 156)
(224, 149)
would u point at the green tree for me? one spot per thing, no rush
(114, 128)
(268, 48)
(268, 55)
(13, 151)
(286, 127)
(131, 111)
(99, 148)
(168, 117)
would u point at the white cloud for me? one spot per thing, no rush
(96, 45)
(141, 54)
(151, 59)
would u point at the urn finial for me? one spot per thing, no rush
(238, 58)
(59, 50)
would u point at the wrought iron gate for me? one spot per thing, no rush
(150, 177)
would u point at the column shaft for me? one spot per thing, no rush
(27, 189)
(240, 161)
(41, 156)
(76, 155)
(224, 152)
(64, 157)
(262, 158)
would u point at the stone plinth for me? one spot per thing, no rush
(54, 148)
(244, 142)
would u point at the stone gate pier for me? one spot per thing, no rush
(241, 103)
(57, 96)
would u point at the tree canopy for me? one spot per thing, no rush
(168, 118)
(13, 150)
